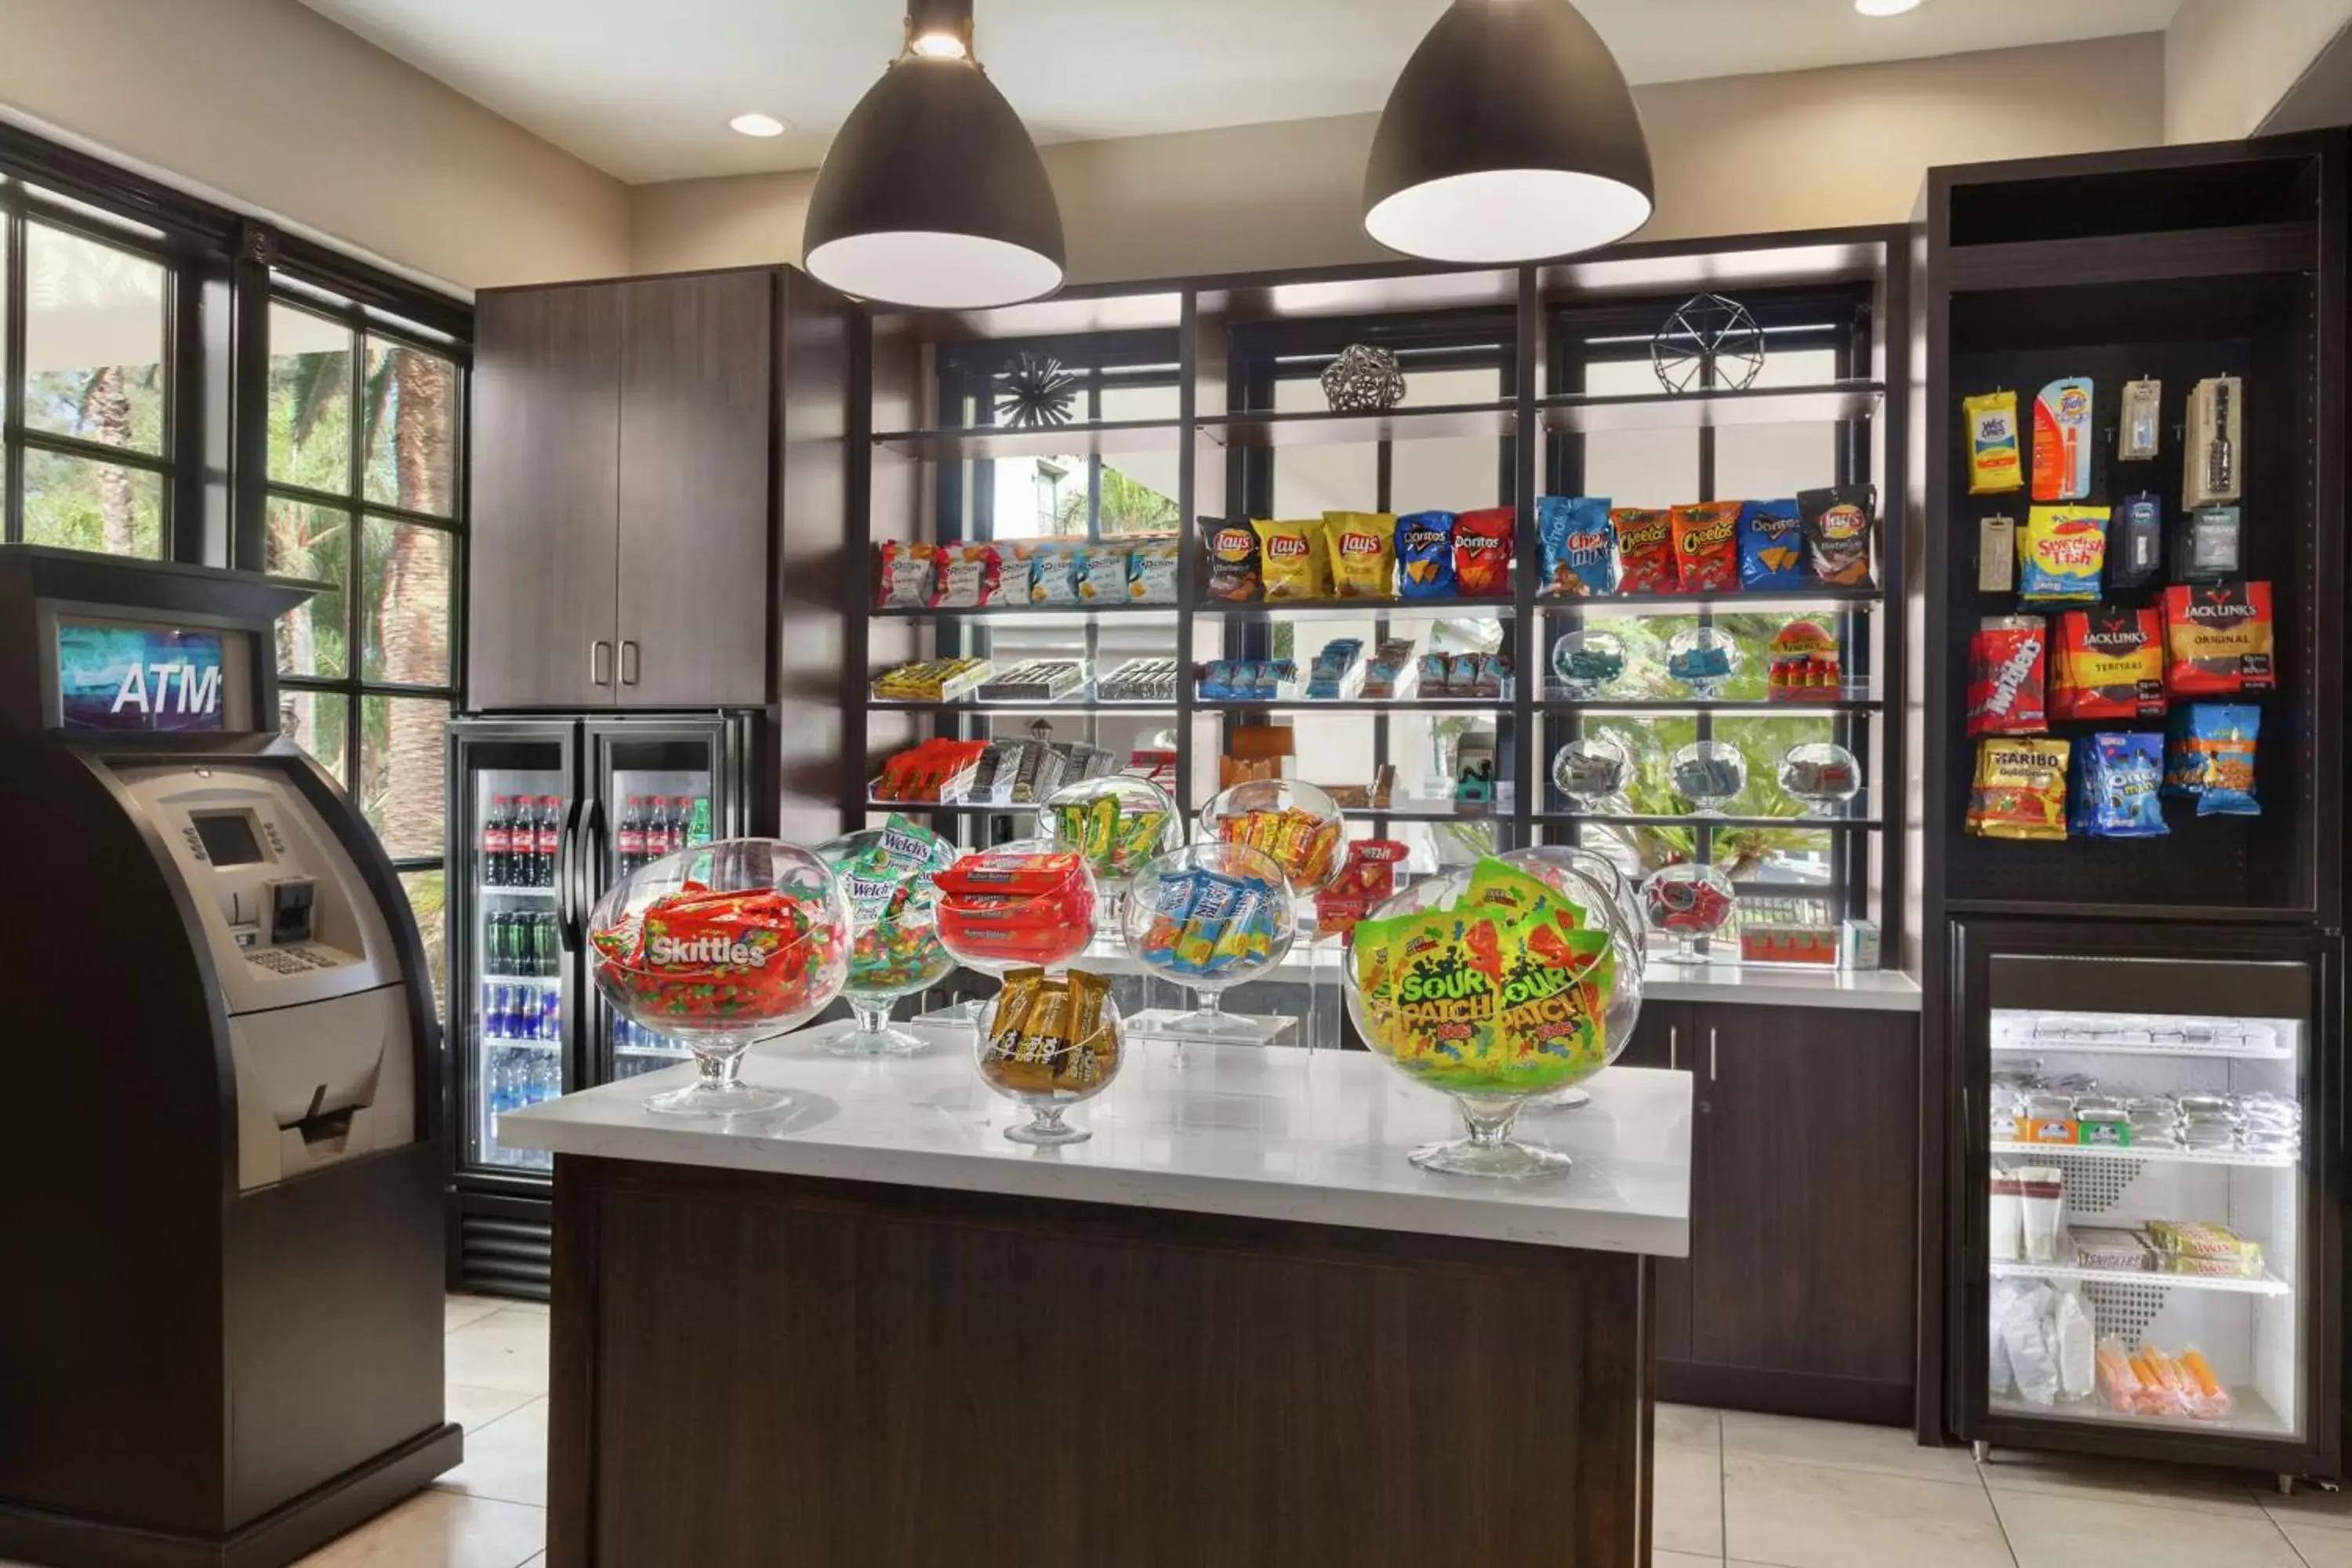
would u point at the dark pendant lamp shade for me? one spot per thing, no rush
(933, 195)
(1510, 136)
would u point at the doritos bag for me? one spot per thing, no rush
(1707, 546)
(1425, 553)
(1482, 553)
(1645, 551)
(2110, 664)
(2220, 637)
(1771, 545)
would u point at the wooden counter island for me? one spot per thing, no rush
(1235, 1329)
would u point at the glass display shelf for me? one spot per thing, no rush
(537, 1048)
(546, 982)
(958, 808)
(1317, 426)
(1088, 438)
(2267, 1285)
(1017, 609)
(2169, 1156)
(1354, 705)
(2253, 1416)
(1842, 700)
(1075, 707)
(1582, 413)
(489, 892)
(1450, 604)
(1856, 812)
(1769, 601)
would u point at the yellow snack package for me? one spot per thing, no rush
(2021, 789)
(1295, 558)
(1363, 554)
(1995, 455)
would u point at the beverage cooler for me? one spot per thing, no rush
(2149, 1227)
(544, 815)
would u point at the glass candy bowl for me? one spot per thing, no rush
(1703, 658)
(1428, 977)
(895, 947)
(1020, 905)
(1296, 824)
(1819, 775)
(1709, 775)
(719, 945)
(1210, 917)
(1050, 1042)
(1590, 878)
(1591, 769)
(1689, 902)
(1116, 821)
(1585, 662)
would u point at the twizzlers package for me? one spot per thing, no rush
(2220, 638)
(2007, 663)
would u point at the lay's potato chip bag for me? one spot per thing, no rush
(1363, 554)
(1294, 559)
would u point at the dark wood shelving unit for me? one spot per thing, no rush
(1019, 610)
(1827, 702)
(1586, 415)
(1083, 439)
(1451, 605)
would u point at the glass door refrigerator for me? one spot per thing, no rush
(2148, 1220)
(544, 815)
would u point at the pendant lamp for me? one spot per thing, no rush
(1510, 136)
(933, 194)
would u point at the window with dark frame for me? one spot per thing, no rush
(178, 382)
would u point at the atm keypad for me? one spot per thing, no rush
(291, 960)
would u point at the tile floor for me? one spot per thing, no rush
(1749, 1491)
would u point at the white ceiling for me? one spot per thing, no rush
(645, 91)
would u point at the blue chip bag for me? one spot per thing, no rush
(1771, 544)
(1424, 553)
(2212, 757)
(1579, 545)
(2117, 784)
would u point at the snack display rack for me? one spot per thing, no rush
(2173, 1001)
(1209, 358)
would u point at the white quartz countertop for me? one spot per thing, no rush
(1317, 1137)
(1757, 985)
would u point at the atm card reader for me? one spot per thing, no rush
(292, 902)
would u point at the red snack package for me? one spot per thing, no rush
(1707, 546)
(2220, 637)
(1482, 553)
(907, 576)
(1366, 881)
(2007, 662)
(970, 575)
(1645, 551)
(2110, 664)
(1027, 876)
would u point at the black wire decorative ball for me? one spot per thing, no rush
(1037, 392)
(1363, 380)
(1708, 333)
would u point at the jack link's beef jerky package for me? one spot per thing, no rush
(2110, 663)
(2220, 634)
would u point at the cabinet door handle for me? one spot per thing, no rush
(628, 662)
(1674, 1043)
(599, 661)
(1710, 1053)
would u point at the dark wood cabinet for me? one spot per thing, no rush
(1800, 1294)
(625, 469)
(698, 358)
(546, 479)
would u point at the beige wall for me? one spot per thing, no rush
(268, 106)
(1800, 149)
(2227, 63)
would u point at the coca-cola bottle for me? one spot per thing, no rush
(658, 842)
(629, 843)
(549, 834)
(681, 818)
(497, 841)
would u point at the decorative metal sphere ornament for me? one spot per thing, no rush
(1037, 392)
(1363, 380)
(1708, 333)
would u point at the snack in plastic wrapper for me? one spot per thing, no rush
(1771, 545)
(706, 958)
(2020, 790)
(2110, 664)
(2135, 541)
(1098, 575)
(1231, 551)
(2212, 757)
(2207, 544)
(2061, 440)
(1482, 551)
(1053, 572)
(2117, 784)
(2060, 558)
(970, 575)
(1837, 531)
(1579, 545)
(1707, 546)
(907, 577)
(1363, 554)
(2220, 638)
(2007, 662)
(1151, 572)
(1424, 555)
(1645, 551)
(1996, 462)
(1292, 556)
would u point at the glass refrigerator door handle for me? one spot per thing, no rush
(1674, 1047)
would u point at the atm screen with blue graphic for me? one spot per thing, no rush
(144, 678)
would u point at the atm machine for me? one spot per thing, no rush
(221, 1226)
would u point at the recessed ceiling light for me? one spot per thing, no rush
(1884, 7)
(759, 126)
